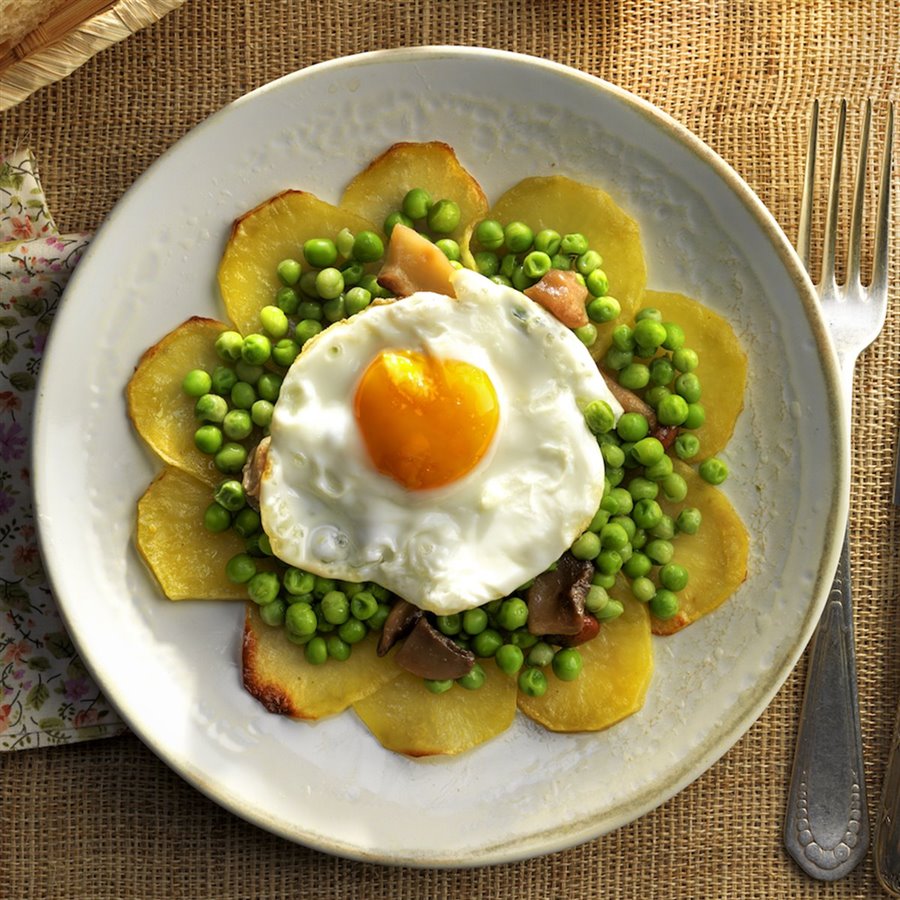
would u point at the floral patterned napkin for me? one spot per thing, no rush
(46, 694)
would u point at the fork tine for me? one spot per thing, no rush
(808, 185)
(858, 200)
(834, 190)
(880, 262)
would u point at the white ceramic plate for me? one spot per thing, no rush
(172, 669)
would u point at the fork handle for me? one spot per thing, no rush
(826, 828)
(887, 824)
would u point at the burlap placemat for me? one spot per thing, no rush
(107, 819)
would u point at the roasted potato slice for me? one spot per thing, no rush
(618, 665)
(380, 188)
(160, 410)
(260, 239)
(276, 672)
(566, 206)
(715, 557)
(723, 364)
(406, 717)
(187, 560)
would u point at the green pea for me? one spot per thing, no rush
(334, 309)
(626, 523)
(473, 679)
(381, 594)
(615, 476)
(356, 300)
(674, 487)
(689, 520)
(573, 244)
(672, 410)
(435, 686)
(508, 265)
(197, 383)
(316, 651)
(323, 586)
(329, 283)
(587, 546)
(261, 413)
(588, 262)
(597, 283)
(643, 589)
(696, 416)
(247, 522)
(622, 338)
(274, 321)
(256, 349)
(489, 233)
(237, 424)
(264, 544)
(228, 345)
(687, 385)
(247, 372)
(344, 242)
(486, 643)
(638, 566)
(216, 518)
(285, 352)
(599, 416)
(513, 613)
(673, 577)
(613, 537)
(352, 631)
(240, 569)
(567, 664)
(208, 439)
(288, 271)
(474, 621)
(306, 329)
(308, 285)
(612, 610)
(613, 455)
(263, 587)
(601, 517)
(363, 606)
(311, 309)
(536, 264)
(642, 489)
(230, 495)
(416, 203)
(449, 248)
(547, 241)
(604, 309)
(518, 237)
(649, 334)
(661, 371)
(646, 513)
(664, 529)
(224, 379)
(596, 598)
(648, 312)
(664, 604)
(587, 334)
(687, 446)
(648, 450)
(211, 408)
(509, 659)
(655, 394)
(532, 682)
(449, 625)
(298, 582)
(396, 218)
(609, 562)
(320, 252)
(685, 360)
(443, 217)
(713, 470)
(541, 654)
(674, 336)
(286, 300)
(352, 274)
(379, 617)
(231, 457)
(487, 263)
(335, 607)
(338, 649)
(367, 247)
(300, 619)
(561, 261)
(634, 377)
(273, 613)
(659, 551)
(524, 640)
(632, 426)
(243, 395)
(608, 582)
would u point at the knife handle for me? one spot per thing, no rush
(826, 827)
(887, 825)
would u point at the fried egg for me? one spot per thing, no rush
(436, 446)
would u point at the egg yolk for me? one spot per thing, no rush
(425, 421)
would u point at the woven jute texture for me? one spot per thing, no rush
(106, 819)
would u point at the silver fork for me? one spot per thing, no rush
(826, 826)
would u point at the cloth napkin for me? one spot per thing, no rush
(46, 694)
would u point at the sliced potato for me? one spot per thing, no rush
(407, 718)
(380, 188)
(723, 364)
(618, 666)
(187, 560)
(276, 672)
(568, 206)
(715, 557)
(260, 239)
(160, 410)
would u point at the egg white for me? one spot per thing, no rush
(326, 509)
